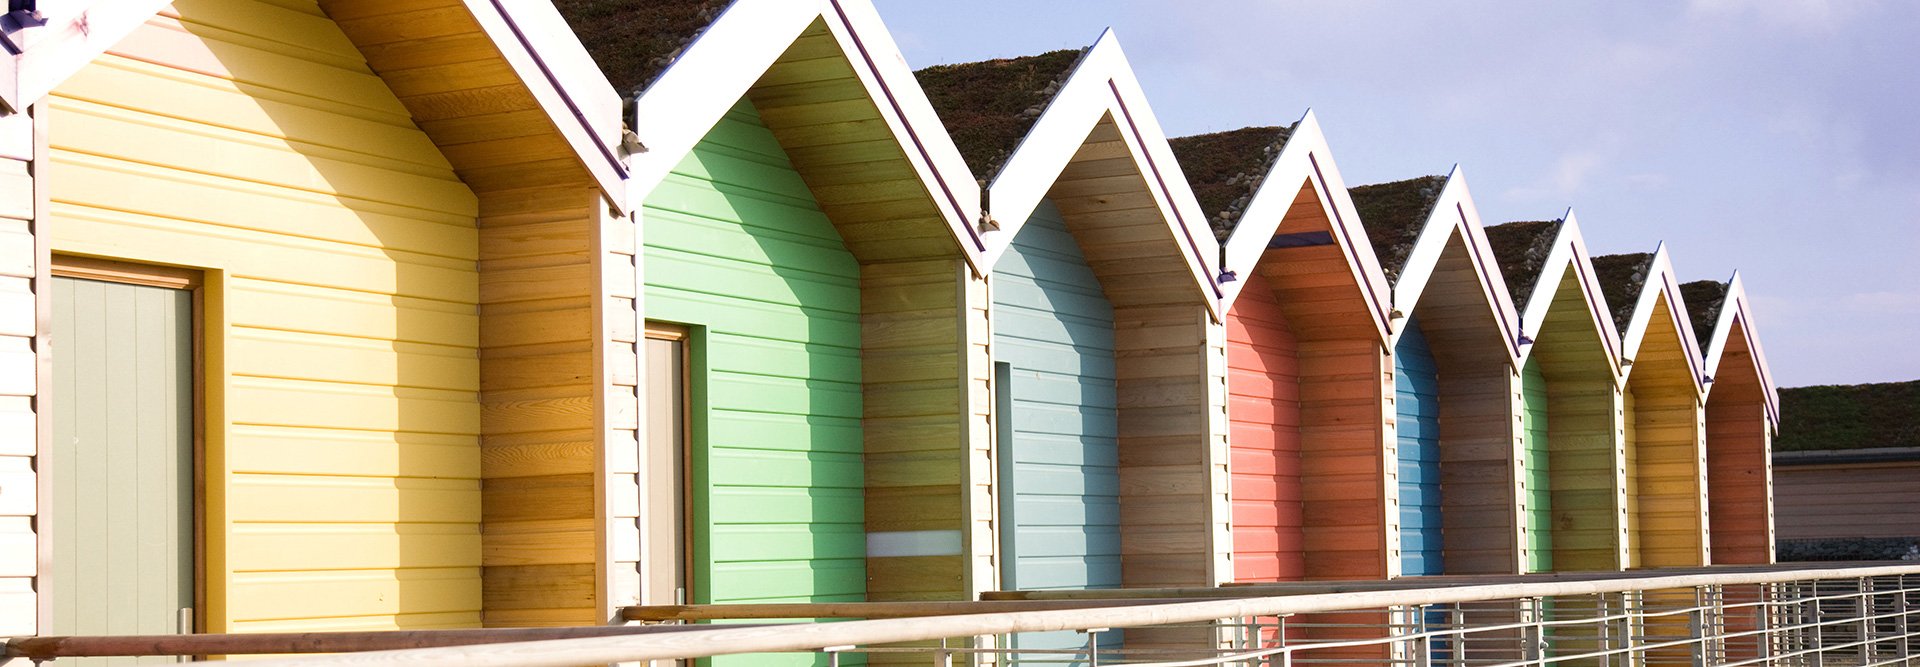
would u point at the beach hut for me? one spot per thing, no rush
(1661, 403)
(1109, 359)
(1456, 381)
(815, 309)
(1569, 381)
(264, 312)
(1306, 330)
(1742, 414)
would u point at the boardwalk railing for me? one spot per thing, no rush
(1821, 616)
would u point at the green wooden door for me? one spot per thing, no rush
(122, 460)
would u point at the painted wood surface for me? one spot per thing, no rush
(1670, 460)
(343, 470)
(22, 305)
(1417, 433)
(1539, 477)
(123, 460)
(737, 248)
(1054, 329)
(1739, 458)
(1586, 453)
(1264, 395)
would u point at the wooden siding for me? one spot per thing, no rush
(1263, 389)
(1534, 426)
(1670, 461)
(1586, 454)
(1739, 455)
(1479, 418)
(1848, 500)
(343, 469)
(122, 459)
(1059, 460)
(737, 248)
(1417, 432)
(1060, 465)
(1171, 368)
(23, 304)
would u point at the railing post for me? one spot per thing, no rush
(1697, 630)
(1093, 646)
(1422, 643)
(943, 657)
(1816, 640)
(1863, 613)
(1534, 636)
(1901, 623)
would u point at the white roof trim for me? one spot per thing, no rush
(1306, 160)
(717, 69)
(1570, 253)
(1737, 310)
(532, 37)
(1101, 84)
(1454, 213)
(1662, 283)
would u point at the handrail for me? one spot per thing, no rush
(723, 640)
(867, 610)
(50, 647)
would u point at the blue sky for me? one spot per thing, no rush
(1777, 137)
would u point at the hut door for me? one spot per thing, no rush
(664, 492)
(122, 458)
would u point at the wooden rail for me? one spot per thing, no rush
(726, 640)
(869, 610)
(47, 648)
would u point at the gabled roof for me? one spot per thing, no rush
(1655, 280)
(1547, 251)
(990, 105)
(1416, 221)
(1704, 298)
(742, 45)
(1394, 214)
(1227, 168)
(1258, 173)
(1099, 88)
(531, 39)
(1522, 248)
(1734, 312)
(635, 40)
(1621, 278)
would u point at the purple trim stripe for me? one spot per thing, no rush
(918, 145)
(1193, 247)
(1684, 328)
(552, 80)
(1326, 195)
(1599, 314)
(1486, 279)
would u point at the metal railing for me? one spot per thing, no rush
(1815, 616)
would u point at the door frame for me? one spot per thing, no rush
(689, 569)
(193, 281)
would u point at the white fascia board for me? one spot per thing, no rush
(1103, 84)
(1736, 311)
(1661, 284)
(722, 64)
(1570, 254)
(569, 87)
(1307, 160)
(1454, 213)
(71, 40)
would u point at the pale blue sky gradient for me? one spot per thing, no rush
(1777, 137)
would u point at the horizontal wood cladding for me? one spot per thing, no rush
(1586, 454)
(737, 249)
(1739, 460)
(1480, 469)
(1670, 458)
(21, 271)
(1263, 393)
(856, 168)
(1847, 501)
(251, 139)
(1537, 499)
(1171, 369)
(447, 75)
